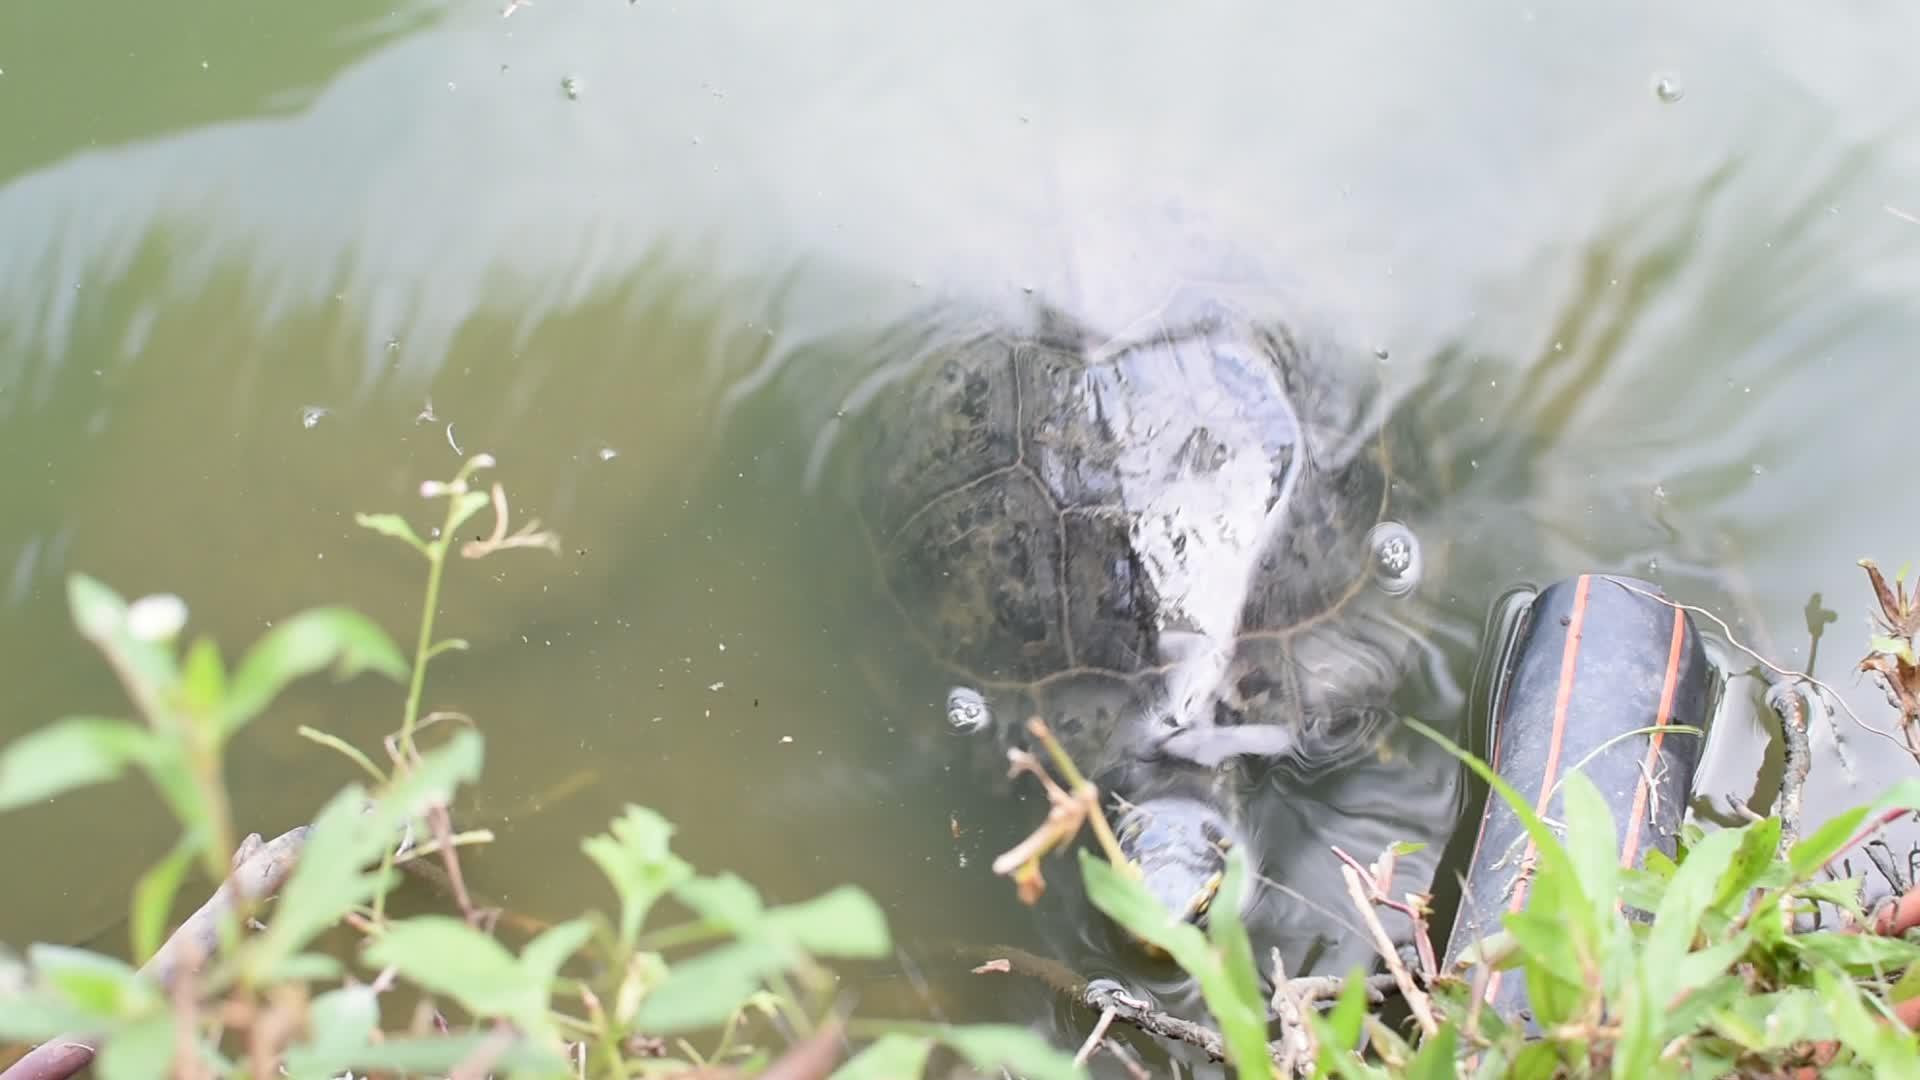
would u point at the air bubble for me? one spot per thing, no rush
(967, 710)
(1396, 563)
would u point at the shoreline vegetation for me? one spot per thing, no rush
(1746, 956)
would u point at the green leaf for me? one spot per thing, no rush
(1761, 1023)
(345, 837)
(636, 859)
(1536, 1060)
(1407, 847)
(1541, 934)
(1893, 646)
(153, 896)
(704, 991)
(440, 1056)
(1759, 843)
(101, 986)
(1697, 969)
(1843, 893)
(1554, 862)
(1592, 844)
(464, 507)
(1907, 987)
(1890, 1052)
(993, 1047)
(1857, 954)
(340, 1025)
(1125, 900)
(40, 1013)
(1813, 851)
(204, 681)
(1338, 1032)
(1435, 1059)
(1639, 1042)
(543, 957)
(1640, 890)
(1236, 1001)
(100, 615)
(1691, 892)
(726, 900)
(446, 956)
(66, 754)
(891, 1057)
(302, 645)
(843, 922)
(1557, 982)
(392, 525)
(344, 749)
(142, 1051)
(1122, 898)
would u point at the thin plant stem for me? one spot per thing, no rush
(437, 563)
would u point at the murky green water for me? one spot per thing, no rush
(642, 252)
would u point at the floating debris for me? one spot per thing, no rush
(311, 415)
(608, 453)
(571, 87)
(1668, 89)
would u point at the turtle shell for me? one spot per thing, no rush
(1190, 515)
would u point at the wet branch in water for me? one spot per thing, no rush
(260, 874)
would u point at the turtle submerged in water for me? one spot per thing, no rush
(1182, 546)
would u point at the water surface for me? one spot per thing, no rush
(259, 270)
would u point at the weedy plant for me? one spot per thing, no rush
(245, 986)
(1695, 967)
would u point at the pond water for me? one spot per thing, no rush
(1650, 272)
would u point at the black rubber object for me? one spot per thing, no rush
(1591, 660)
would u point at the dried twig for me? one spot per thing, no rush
(1882, 857)
(1378, 879)
(1295, 1050)
(1416, 998)
(1093, 1039)
(528, 535)
(255, 879)
(1106, 995)
(1788, 705)
(1827, 691)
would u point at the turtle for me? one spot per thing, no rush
(1185, 545)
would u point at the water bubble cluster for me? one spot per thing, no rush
(967, 710)
(1396, 562)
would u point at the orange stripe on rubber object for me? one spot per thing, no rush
(1569, 657)
(1660, 721)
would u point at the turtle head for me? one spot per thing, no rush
(1179, 845)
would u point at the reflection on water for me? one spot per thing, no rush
(1650, 332)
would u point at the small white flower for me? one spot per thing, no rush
(157, 618)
